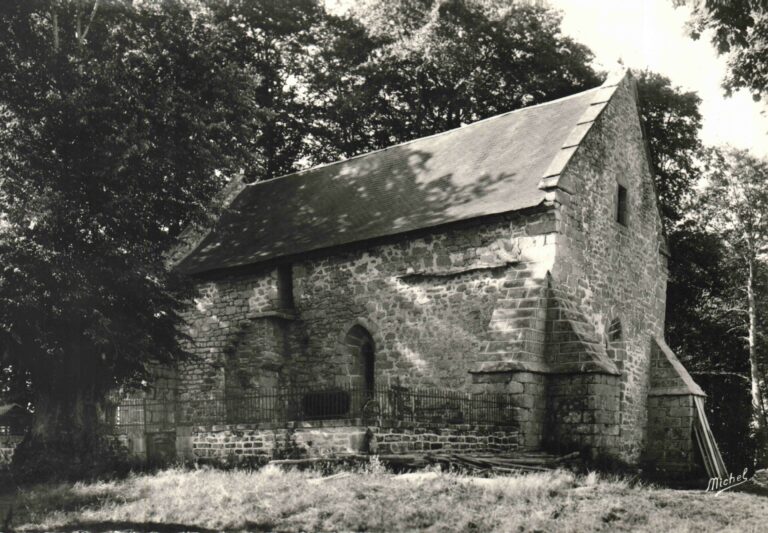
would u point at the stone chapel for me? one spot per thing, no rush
(522, 254)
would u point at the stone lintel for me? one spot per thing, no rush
(498, 367)
(590, 367)
(283, 314)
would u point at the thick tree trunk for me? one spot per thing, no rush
(64, 414)
(64, 441)
(754, 372)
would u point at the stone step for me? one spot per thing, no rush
(521, 303)
(526, 346)
(527, 312)
(525, 292)
(502, 324)
(518, 334)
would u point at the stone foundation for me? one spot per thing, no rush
(670, 434)
(349, 436)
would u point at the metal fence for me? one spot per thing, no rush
(278, 406)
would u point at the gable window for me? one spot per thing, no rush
(285, 286)
(621, 206)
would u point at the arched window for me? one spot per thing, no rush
(363, 351)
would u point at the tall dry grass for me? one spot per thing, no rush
(375, 500)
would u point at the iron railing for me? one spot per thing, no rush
(278, 406)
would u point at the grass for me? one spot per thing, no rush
(374, 500)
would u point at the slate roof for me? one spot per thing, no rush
(493, 166)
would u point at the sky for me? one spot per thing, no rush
(651, 34)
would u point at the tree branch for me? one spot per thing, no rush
(721, 373)
(90, 21)
(55, 23)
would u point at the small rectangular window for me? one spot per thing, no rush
(285, 286)
(621, 208)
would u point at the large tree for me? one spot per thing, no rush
(672, 122)
(119, 122)
(734, 206)
(399, 70)
(739, 30)
(273, 40)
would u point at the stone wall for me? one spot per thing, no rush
(217, 319)
(8, 445)
(426, 301)
(529, 389)
(671, 443)
(583, 412)
(328, 438)
(671, 414)
(556, 305)
(610, 270)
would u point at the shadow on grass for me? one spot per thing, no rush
(161, 527)
(27, 505)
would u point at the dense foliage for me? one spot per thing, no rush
(734, 207)
(739, 30)
(411, 68)
(116, 122)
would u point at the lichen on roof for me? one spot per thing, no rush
(500, 164)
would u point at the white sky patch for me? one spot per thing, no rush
(651, 34)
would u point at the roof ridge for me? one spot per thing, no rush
(438, 134)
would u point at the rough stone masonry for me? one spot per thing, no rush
(521, 254)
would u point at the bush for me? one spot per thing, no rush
(288, 448)
(70, 458)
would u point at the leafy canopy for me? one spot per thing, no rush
(739, 29)
(672, 122)
(405, 69)
(119, 123)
